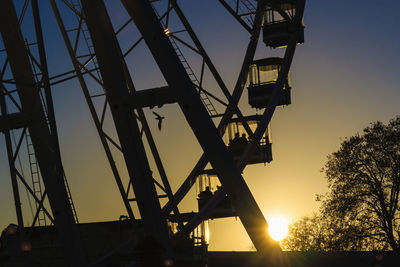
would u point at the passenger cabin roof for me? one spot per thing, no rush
(249, 119)
(209, 172)
(282, 4)
(269, 63)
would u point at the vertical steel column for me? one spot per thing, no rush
(233, 183)
(45, 151)
(108, 55)
(11, 163)
(45, 75)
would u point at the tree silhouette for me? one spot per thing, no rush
(323, 233)
(361, 209)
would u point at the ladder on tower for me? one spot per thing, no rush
(37, 183)
(203, 96)
(36, 179)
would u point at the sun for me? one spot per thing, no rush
(278, 227)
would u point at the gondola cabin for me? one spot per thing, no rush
(263, 75)
(206, 186)
(278, 24)
(237, 140)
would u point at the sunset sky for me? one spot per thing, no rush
(343, 77)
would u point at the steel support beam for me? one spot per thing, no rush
(208, 136)
(45, 76)
(154, 97)
(10, 155)
(45, 151)
(109, 59)
(13, 121)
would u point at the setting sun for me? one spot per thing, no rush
(278, 227)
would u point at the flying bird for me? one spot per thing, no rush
(159, 118)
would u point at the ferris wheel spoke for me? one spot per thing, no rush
(72, 6)
(23, 11)
(86, 71)
(18, 146)
(123, 26)
(132, 47)
(236, 15)
(184, 43)
(10, 96)
(3, 69)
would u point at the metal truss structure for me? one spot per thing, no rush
(151, 234)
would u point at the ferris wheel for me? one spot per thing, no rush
(154, 230)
